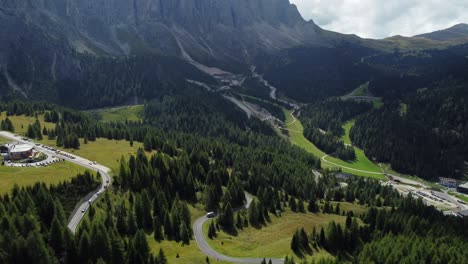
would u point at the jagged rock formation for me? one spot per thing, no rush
(207, 30)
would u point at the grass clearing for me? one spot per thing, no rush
(378, 103)
(347, 127)
(187, 253)
(130, 113)
(274, 240)
(106, 152)
(362, 90)
(296, 134)
(361, 167)
(21, 123)
(59, 172)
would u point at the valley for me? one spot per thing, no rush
(229, 131)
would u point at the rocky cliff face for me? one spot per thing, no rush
(204, 30)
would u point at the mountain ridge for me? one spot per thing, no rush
(128, 27)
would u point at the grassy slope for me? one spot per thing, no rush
(28, 176)
(362, 90)
(297, 136)
(189, 254)
(361, 163)
(21, 122)
(106, 152)
(347, 127)
(274, 240)
(130, 113)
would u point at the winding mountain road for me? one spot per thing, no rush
(78, 213)
(210, 252)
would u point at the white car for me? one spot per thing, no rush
(210, 214)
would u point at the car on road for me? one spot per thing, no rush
(84, 210)
(210, 214)
(94, 162)
(90, 201)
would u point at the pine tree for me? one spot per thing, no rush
(184, 234)
(300, 206)
(337, 209)
(322, 240)
(304, 240)
(147, 143)
(56, 238)
(158, 233)
(226, 220)
(140, 245)
(312, 206)
(161, 257)
(118, 250)
(211, 231)
(239, 221)
(295, 244)
(36, 250)
(292, 204)
(84, 247)
(253, 213)
(131, 223)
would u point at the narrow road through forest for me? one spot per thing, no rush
(210, 252)
(80, 210)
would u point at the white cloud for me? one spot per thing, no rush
(384, 18)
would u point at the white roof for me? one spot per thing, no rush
(21, 148)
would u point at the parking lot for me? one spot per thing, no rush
(53, 156)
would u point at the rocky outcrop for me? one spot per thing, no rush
(208, 30)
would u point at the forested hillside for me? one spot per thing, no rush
(424, 134)
(151, 195)
(94, 82)
(323, 124)
(404, 230)
(201, 112)
(312, 74)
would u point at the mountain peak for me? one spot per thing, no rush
(456, 32)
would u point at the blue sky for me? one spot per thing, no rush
(384, 18)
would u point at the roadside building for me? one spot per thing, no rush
(463, 188)
(19, 152)
(448, 182)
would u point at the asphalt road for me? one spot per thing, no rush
(210, 252)
(104, 171)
